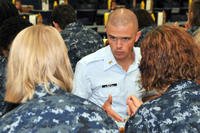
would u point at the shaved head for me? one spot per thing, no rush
(122, 17)
(122, 32)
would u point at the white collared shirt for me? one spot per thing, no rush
(98, 75)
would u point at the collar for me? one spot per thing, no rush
(73, 24)
(109, 59)
(180, 85)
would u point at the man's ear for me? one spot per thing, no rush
(57, 26)
(138, 34)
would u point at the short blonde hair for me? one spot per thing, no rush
(122, 17)
(38, 55)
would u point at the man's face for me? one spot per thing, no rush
(121, 40)
(18, 5)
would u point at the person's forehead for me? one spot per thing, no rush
(122, 29)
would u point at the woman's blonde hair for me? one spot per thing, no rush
(38, 55)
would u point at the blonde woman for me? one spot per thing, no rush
(39, 71)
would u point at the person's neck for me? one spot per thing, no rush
(127, 62)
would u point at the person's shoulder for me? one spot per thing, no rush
(78, 33)
(89, 30)
(71, 28)
(37, 113)
(193, 29)
(3, 60)
(40, 90)
(97, 56)
(85, 30)
(137, 54)
(137, 50)
(138, 122)
(77, 27)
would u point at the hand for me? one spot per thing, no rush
(133, 105)
(108, 109)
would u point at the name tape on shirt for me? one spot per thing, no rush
(109, 85)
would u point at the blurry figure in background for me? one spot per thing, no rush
(7, 9)
(18, 5)
(39, 78)
(79, 39)
(145, 23)
(193, 22)
(144, 18)
(113, 5)
(8, 30)
(170, 65)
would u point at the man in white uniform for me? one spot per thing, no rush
(111, 74)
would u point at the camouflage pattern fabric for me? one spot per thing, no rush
(80, 41)
(192, 30)
(176, 111)
(60, 113)
(3, 63)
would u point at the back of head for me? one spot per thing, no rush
(194, 13)
(122, 17)
(169, 54)
(7, 9)
(63, 15)
(144, 18)
(38, 55)
(9, 29)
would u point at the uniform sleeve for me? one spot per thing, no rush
(137, 123)
(81, 83)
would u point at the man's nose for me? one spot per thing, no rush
(119, 43)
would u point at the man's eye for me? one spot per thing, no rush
(112, 38)
(126, 39)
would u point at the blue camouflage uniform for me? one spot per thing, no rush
(3, 63)
(176, 111)
(80, 41)
(60, 113)
(192, 30)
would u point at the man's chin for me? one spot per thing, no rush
(119, 57)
